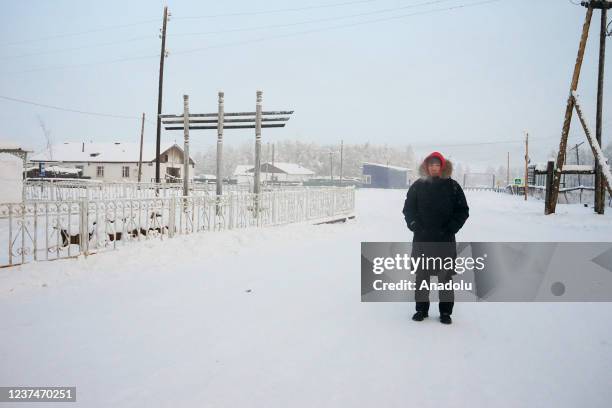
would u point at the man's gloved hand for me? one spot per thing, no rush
(414, 226)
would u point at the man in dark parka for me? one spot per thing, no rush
(435, 210)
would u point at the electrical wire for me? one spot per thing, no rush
(321, 20)
(107, 115)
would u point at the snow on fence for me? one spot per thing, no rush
(47, 230)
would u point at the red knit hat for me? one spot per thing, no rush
(439, 156)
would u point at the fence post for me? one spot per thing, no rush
(550, 168)
(84, 226)
(171, 216)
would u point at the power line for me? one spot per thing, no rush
(35, 54)
(318, 30)
(321, 20)
(298, 33)
(275, 11)
(251, 13)
(107, 115)
(97, 30)
(484, 143)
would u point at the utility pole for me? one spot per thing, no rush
(508, 170)
(331, 166)
(341, 160)
(257, 178)
(162, 57)
(599, 187)
(526, 164)
(141, 142)
(551, 205)
(220, 119)
(186, 145)
(274, 178)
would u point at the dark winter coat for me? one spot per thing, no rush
(435, 210)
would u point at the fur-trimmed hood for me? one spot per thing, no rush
(446, 172)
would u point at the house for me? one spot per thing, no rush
(11, 178)
(116, 161)
(274, 172)
(377, 175)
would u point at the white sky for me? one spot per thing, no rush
(477, 74)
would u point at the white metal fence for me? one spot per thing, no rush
(63, 190)
(46, 230)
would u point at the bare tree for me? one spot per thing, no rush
(47, 134)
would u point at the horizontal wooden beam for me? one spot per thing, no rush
(214, 115)
(246, 120)
(271, 125)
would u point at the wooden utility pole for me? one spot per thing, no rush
(595, 147)
(508, 170)
(162, 57)
(257, 178)
(220, 119)
(141, 142)
(599, 188)
(186, 145)
(274, 178)
(551, 204)
(341, 160)
(526, 182)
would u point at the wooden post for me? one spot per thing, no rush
(552, 203)
(257, 179)
(526, 165)
(141, 142)
(599, 188)
(550, 168)
(508, 170)
(220, 119)
(595, 147)
(162, 57)
(341, 159)
(186, 145)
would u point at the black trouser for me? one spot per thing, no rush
(447, 297)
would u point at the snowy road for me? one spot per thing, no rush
(273, 318)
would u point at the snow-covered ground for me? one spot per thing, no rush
(272, 317)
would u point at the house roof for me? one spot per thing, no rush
(291, 168)
(101, 152)
(288, 168)
(387, 166)
(243, 170)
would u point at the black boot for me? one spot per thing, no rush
(419, 316)
(445, 318)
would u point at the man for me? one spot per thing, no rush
(435, 210)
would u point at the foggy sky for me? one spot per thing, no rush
(479, 74)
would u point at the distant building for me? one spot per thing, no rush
(279, 172)
(116, 161)
(384, 176)
(11, 178)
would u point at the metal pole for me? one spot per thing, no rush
(220, 143)
(162, 57)
(257, 180)
(141, 142)
(599, 188)
(551, 204)
(186, 145)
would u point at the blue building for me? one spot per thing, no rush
(384, 176)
